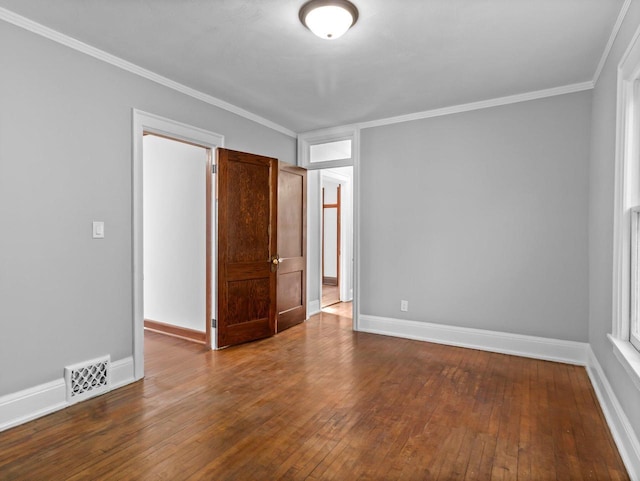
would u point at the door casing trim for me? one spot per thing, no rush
(141, 122)
(326, 135)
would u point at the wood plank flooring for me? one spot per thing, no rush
(330, 295)
(343, 309)
(320, 402)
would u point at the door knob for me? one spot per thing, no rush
(275, 263)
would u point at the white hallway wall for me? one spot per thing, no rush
(330, 233)
(174, 216)
(64, 297)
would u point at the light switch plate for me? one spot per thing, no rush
(98, 229)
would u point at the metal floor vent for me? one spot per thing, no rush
(87, 379)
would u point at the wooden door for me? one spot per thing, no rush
(247, 233)
(292, 246)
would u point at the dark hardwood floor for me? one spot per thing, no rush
(320, 402)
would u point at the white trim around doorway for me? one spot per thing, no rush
(352, 132)
(146, 122)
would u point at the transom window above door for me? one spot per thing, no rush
(328, 148)
(335, 150)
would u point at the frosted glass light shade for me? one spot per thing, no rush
(328, 19)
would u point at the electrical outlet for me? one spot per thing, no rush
(404, 306)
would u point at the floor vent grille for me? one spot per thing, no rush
(87, 379)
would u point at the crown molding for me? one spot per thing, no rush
(483, 104)
(614, 33)
(39, 29)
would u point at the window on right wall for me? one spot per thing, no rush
(625, 334)
(634, 328)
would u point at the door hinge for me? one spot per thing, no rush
(213, 169)
(213, 323)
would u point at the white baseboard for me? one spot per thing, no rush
(23, 406)
(122, 372)
(621, 429)
(32, 403)
(571, 352)
(313, 307)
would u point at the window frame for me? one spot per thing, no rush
(634, 325)
(324, 136)
(625, 303)
(329, 142)
(627, 189)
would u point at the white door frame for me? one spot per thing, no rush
(143, 121)
(351, 132)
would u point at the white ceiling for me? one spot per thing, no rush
(401, 57)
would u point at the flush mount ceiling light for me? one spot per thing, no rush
(328, 19)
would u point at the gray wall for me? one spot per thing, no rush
(65, 160)
(479, 219)
(601, 199)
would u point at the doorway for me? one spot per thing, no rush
(333, 152)
(336, 237)
(331, 207)
(177, 237)
(144, 122)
